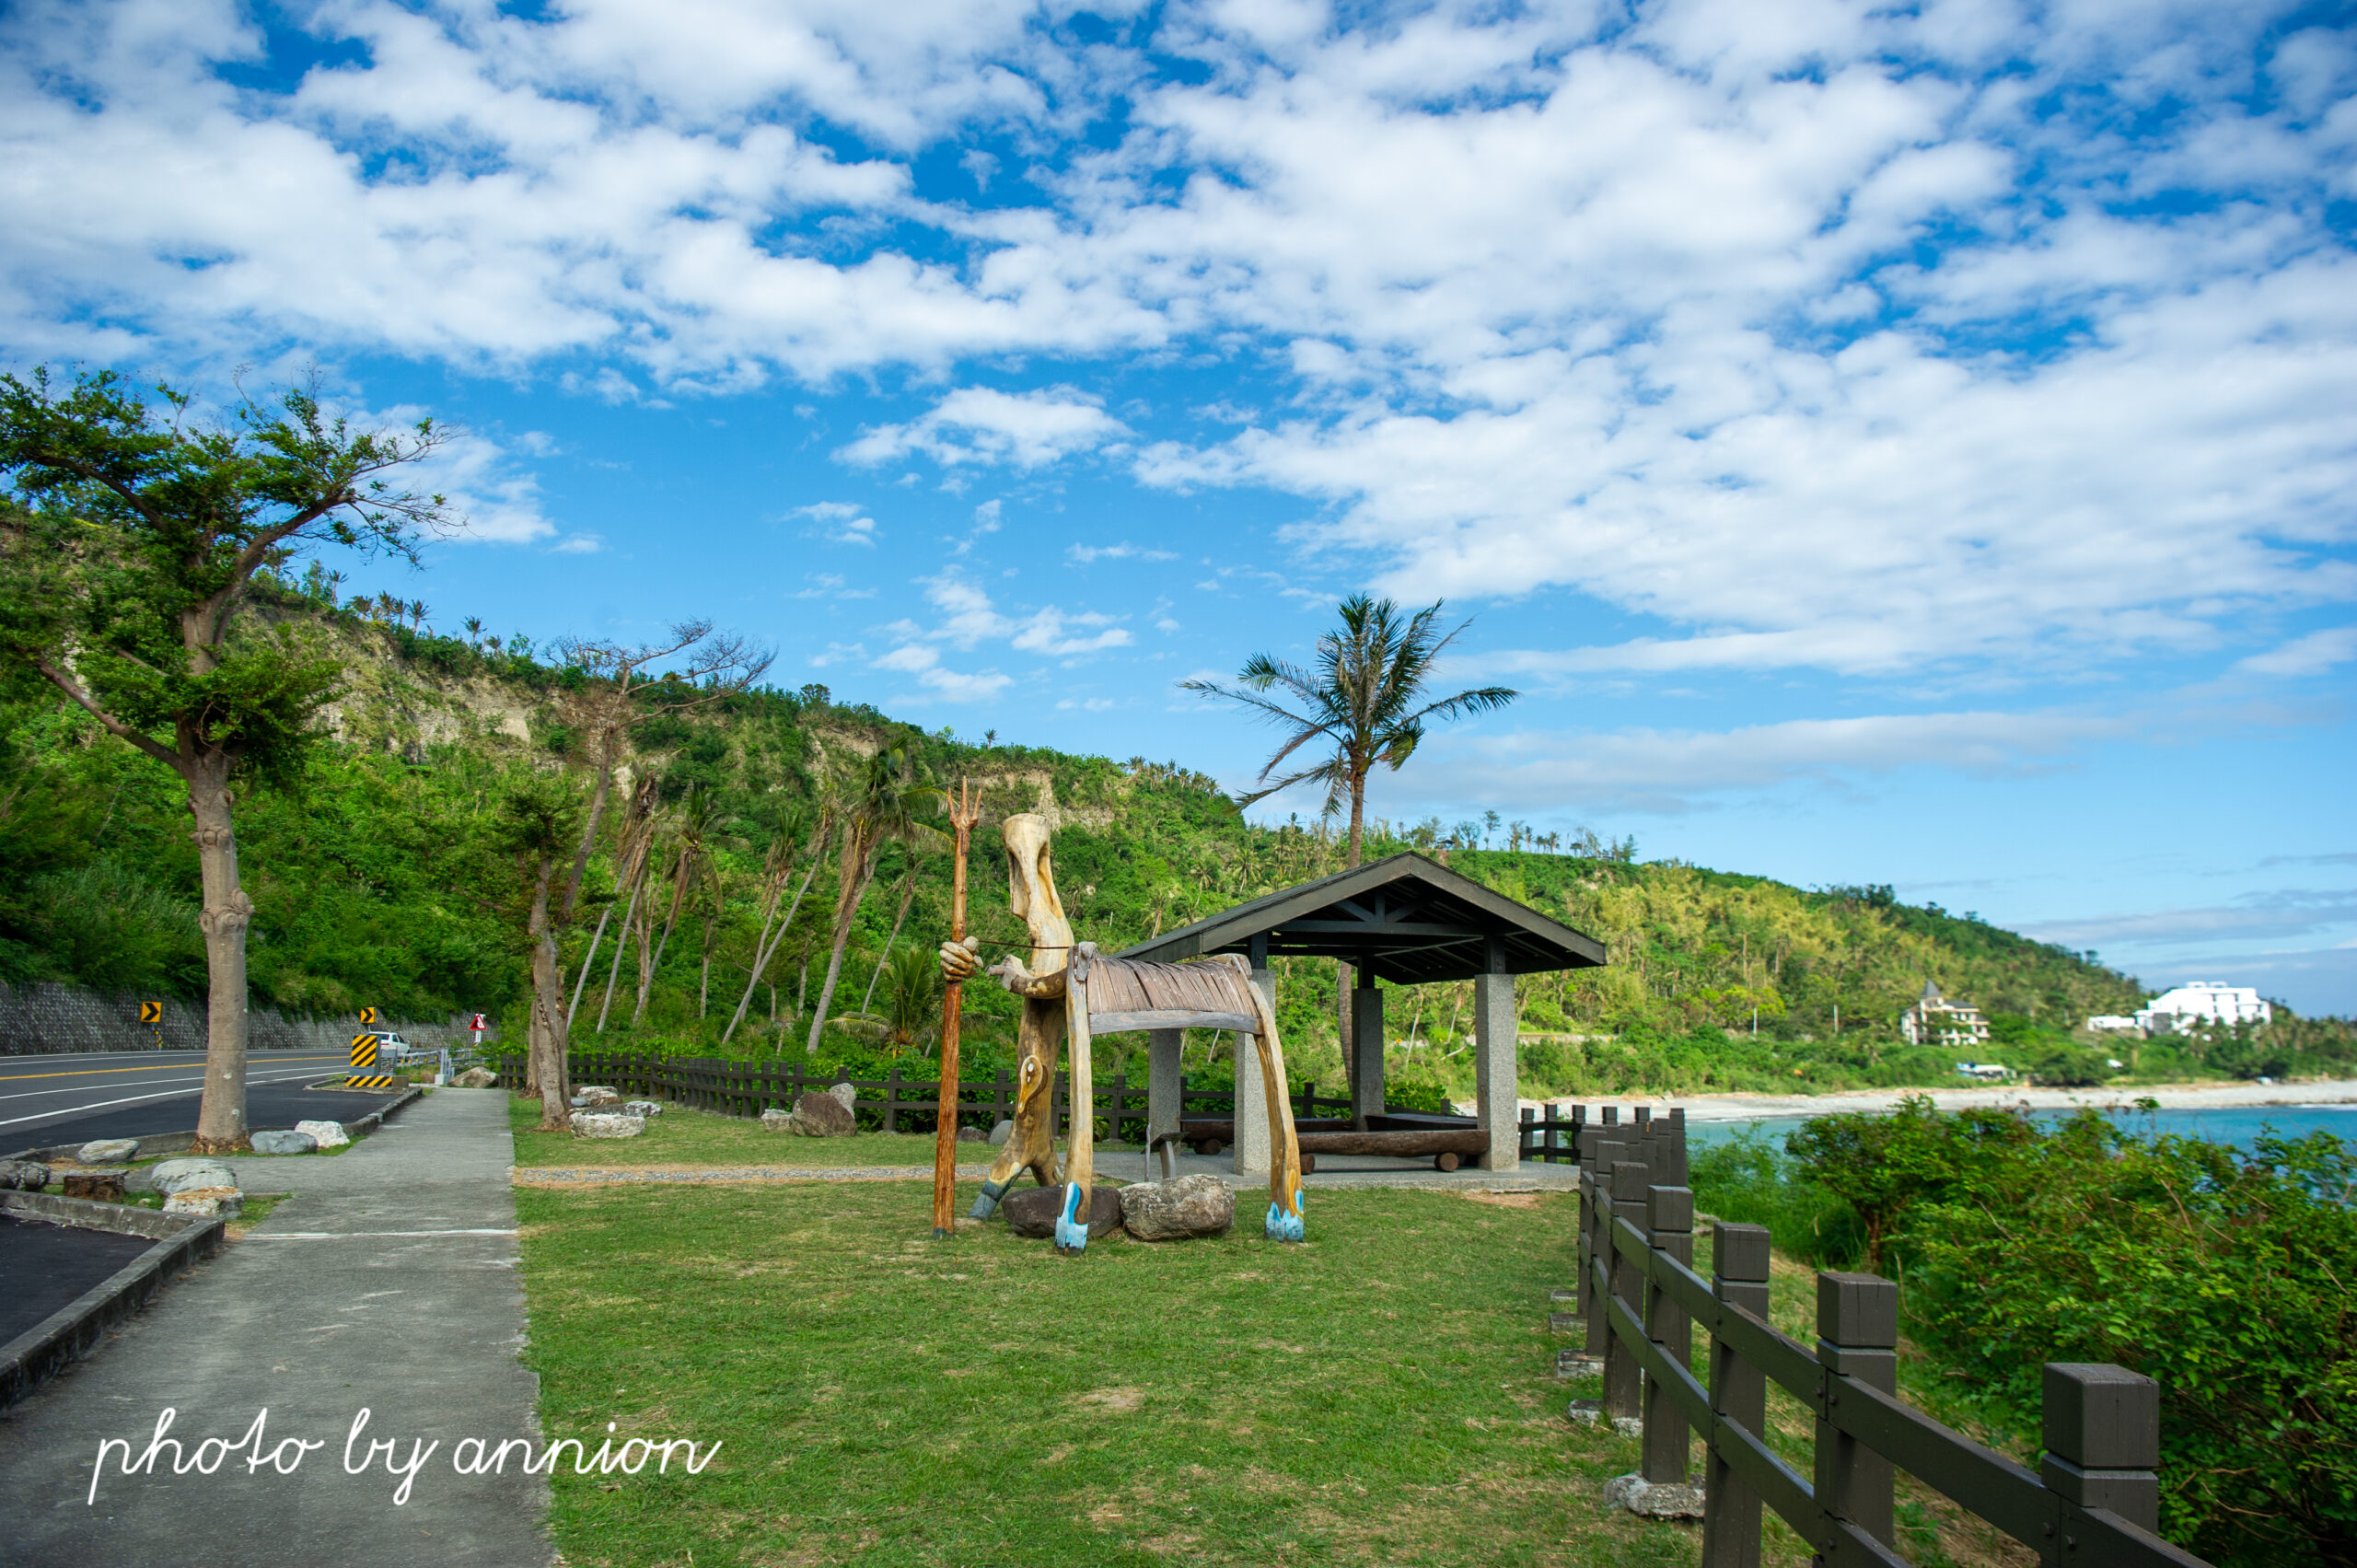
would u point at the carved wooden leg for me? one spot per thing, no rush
(1284, 1152)
(1080, 1144)
(1032, 1145)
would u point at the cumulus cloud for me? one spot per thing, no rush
(980, 424)
(965, 616)
(840, 522)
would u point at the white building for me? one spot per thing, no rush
(2114, 1023)
(2202, 1002)
(1936, 1020)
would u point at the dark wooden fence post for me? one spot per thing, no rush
(1739, 1393)
(892, 1100)
(1669, 1229)
(2103, 1440)
(1630, 1180)
(1857, 1329)
(1610, 1149)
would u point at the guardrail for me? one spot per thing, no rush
(2094, 1499)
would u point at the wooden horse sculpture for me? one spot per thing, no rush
(1069, 988)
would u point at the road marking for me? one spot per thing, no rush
(160, 1067)
(356, 1235)
(14, 1096)
(102, 1105)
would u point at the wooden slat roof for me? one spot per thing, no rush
(1410, 919)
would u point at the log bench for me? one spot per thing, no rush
(1448, 1147)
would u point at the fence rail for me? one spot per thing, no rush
(2093, 1502)
(893, 1103)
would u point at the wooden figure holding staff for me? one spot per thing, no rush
(965, 810)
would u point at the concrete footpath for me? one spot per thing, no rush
(387, 1282)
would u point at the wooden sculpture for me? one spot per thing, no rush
(1058, 985)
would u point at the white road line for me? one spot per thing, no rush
(354, 1235)
(133, 1099)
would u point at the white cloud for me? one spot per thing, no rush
(2312, 655)
(980, 424)
(840, 522)
(1089, 554)
(579, 544)
(1051, 631)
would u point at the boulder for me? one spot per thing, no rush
(1032, 1211)
(822, 1116)
(844, 1096)
(1176, 1210)
(108, 1151)
(168, 1177)
(596, 1094)
(283, 1142)
(209, 1202)
(606, 1124)
(1001, 1133)
(776, 1120)
(972, 1136)
(23, 1176)
(642, 1107)
(326, 1134)
(476, 1078)
(105, 1186)
(1654, 1499)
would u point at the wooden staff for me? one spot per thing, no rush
(965, 810)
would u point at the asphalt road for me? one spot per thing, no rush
(48, 1100)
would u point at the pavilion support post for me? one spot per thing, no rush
(1251, 1123)
(1366, 1045)
(1165, 1051)
(1495, 1090)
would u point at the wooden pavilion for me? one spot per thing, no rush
(1408, 920)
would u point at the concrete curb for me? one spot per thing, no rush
(74, 1330)
(175, 1142)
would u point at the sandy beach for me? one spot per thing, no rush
(2172, 1096)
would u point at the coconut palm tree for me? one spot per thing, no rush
(878, 800)
(1361, 704)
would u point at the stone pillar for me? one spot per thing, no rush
(1251, 1104)
(1494, 1061)
(1366, 1045)
(1164, 1051)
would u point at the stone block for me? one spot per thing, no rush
(606, 1124)
(288, 1143)
(103, 1186)
(326, 1134)
(210, 1203)
(1188, 1207)
(108, 1151)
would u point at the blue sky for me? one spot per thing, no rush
(1906, 444)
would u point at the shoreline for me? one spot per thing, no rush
(1750, 1106)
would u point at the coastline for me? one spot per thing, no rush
(2172, 1096)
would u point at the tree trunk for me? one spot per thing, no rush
(908, 896)
(548, 1030)
(679, 873)
(761, 957)
(621, 945)
(595, 937)
(226, 914)
(859, 870)
(1345, 1020)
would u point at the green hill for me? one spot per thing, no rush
(373, 885)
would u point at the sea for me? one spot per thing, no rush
(2237, 1125)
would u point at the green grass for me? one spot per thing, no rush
(680, 1137)
(1383, 1394)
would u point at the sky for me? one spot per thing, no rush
(1903, 444)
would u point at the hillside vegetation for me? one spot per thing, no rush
(377, 877)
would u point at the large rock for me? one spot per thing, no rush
(168, 1177)
(606, 1124)
(776, 1120)
(108, 1151)
(1653, 1499)
(283, 1142)
(822, 1116)
(476, 1078)
(844, 1096)
(210, 1202)
(1032, 1211)
(104, 1186)
(642, 1107)
(970, 1136)
(1001, 1133)
(23, 1176)
(596, 1094)
(1177, 1210)
(326, 1134)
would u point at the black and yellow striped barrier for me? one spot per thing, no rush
(364, 1061)
(373, 1081)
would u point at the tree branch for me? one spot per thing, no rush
(114, 726)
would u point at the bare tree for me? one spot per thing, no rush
(880, 797)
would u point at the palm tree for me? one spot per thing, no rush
(878, 800)
(1365, 698)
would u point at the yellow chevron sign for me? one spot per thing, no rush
(367, 1016)
(364, 1051)
(151, 1012)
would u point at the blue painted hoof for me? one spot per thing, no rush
(986, 1205)
(1284, 1226)
(1072, 1238)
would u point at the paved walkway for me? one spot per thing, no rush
(387, 1282)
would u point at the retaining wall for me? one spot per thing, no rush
(37, 1020)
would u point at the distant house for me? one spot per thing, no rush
(2114, 1023)
(1936, 1020)
(2202, 1002)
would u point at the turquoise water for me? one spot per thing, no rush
(2237, 1126)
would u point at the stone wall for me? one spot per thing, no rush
(39, 1019)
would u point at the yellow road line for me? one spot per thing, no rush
(161, 1067)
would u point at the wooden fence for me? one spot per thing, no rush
(894, 1103)
(2094, 1499)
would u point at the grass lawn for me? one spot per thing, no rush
(680, 1137)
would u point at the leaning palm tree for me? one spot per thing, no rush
(1364, 700)
(878, 799)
